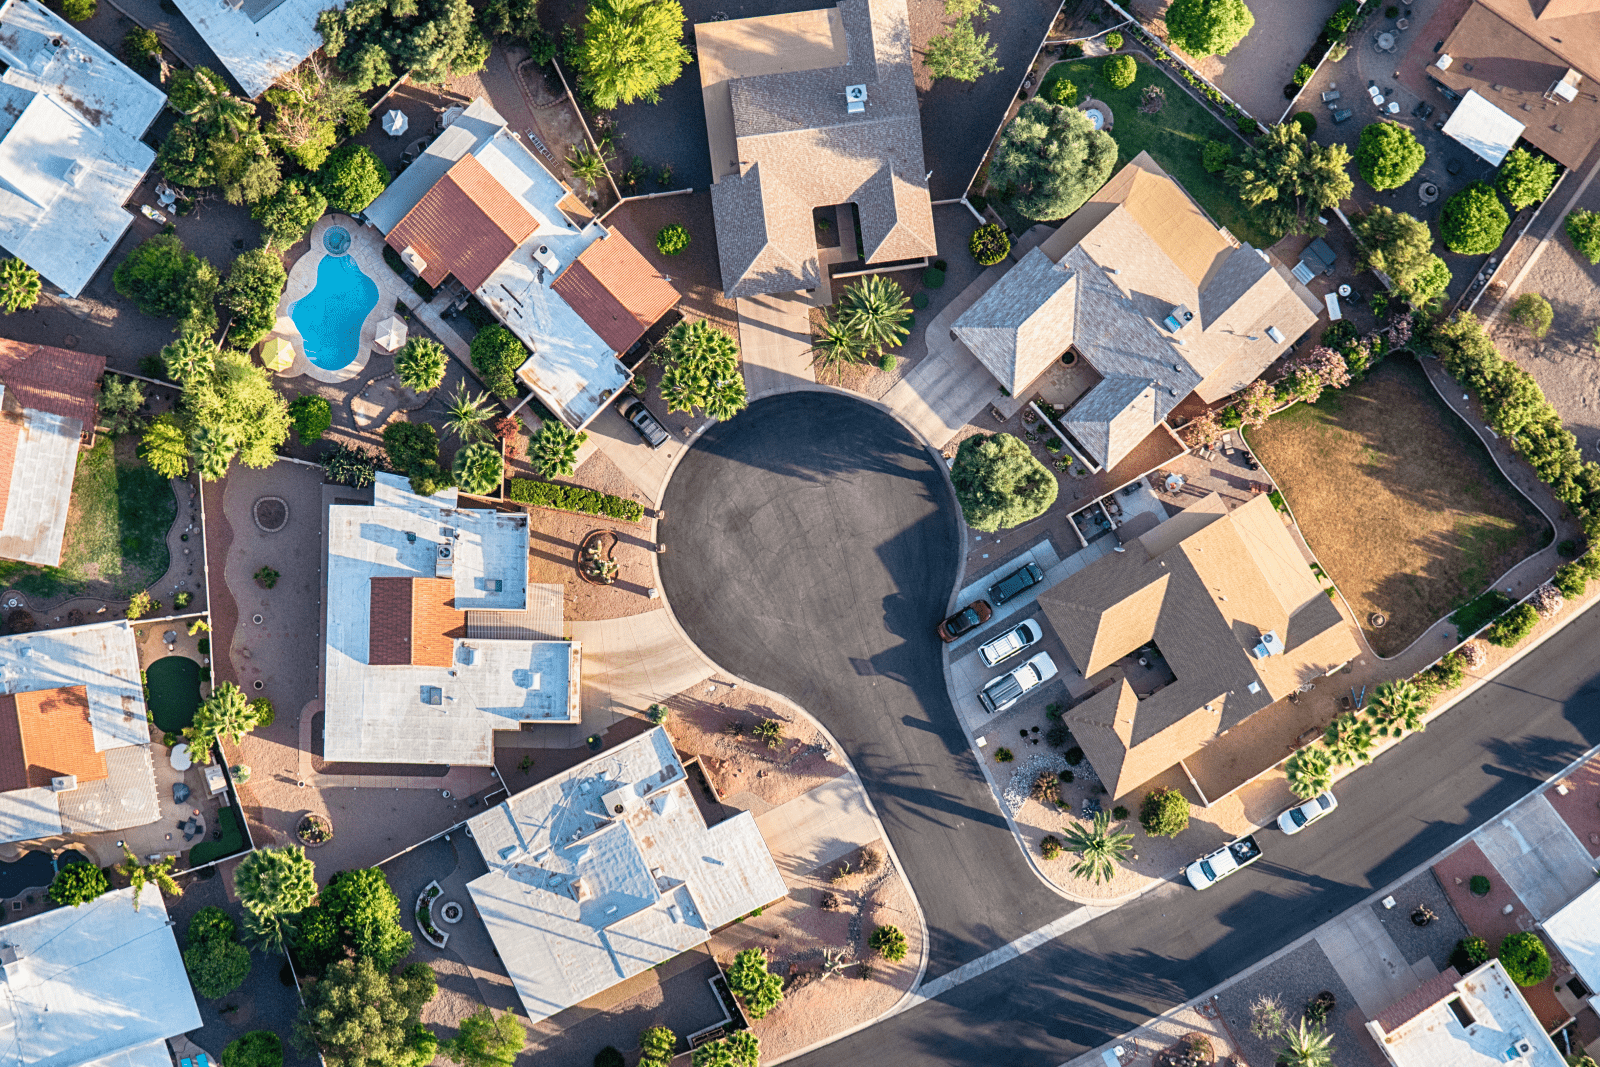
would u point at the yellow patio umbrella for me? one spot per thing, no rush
(277, 354)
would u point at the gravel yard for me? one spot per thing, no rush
(1296, 979)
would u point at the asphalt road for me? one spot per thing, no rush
(812, 550)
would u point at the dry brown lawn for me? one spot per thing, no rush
(1399, 500)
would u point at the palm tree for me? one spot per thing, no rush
(191, 356)
(1349, 739)
(1310, 771)
(1306, 1047)
(1397, 706)
(554, 449)
(1098, 847)
(216, 108)
(466, 414)
(835, 345)
(588, 167)
(214, 449)
(875, 309)
(139, 875)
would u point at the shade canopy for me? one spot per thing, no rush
(1483, 128)
(277, 354)
(391, 334)
(395, 123)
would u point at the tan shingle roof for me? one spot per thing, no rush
(466, 225)
(1204, 586)
(616, 291)
(413, 622)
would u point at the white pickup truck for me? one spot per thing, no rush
(1208, 870)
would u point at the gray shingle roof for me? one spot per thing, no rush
(799, 148)
(1109, 296)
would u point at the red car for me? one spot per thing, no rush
(966, 620)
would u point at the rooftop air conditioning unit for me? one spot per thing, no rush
(1178, 319)
(413, 260)
(618, 800)
(855, 99)
(444, 565)
(66, 783)
(1443, 62)
(1276, 335)
(546, 259)
(1271, 645)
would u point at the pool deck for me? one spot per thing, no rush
(366, 248)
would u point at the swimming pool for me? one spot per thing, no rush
(329, 317)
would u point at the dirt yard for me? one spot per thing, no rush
(1399, 500)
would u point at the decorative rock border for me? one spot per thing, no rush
(451, 912)
(424, 916)
(267, 526)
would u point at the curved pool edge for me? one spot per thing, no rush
(303, 278)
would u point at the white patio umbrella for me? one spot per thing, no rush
(395, 123)
(391, 334)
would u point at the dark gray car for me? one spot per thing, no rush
(655, 435)
(1014, 584)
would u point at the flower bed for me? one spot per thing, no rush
(424, 915)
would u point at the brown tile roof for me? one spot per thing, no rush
(1419, 1000)
(466, 225)
(616, 291)
(46, 734)
(413, 622)
(10, 432)
(56, 380)
(1512, 60)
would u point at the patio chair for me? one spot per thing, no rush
(186, 1062)
(201, 1061)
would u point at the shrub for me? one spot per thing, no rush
(999, 484)
(1509, 629)
(141, 604)
(1532, 312)
(1061, 93)
(1524, 179)
(140, 47)
(672, 239)
(750, 981)
(1469, 954)
(933, 278)
(1216, 155)
(19, 286)
(1341, 19)
(1302, 74)
(1050, 847)
(79, 10)
(1003, 755)
(258, 1048)
(349, 465)
(769, 732)
(1570, 580)
(77, 883)
(1208, 27)
(889, 942)
(1388, 155)
(1479, 885)
(1473, 221)
(496, 354)
(1477, 613)
(1074, 756)
(1526, 960)
(352, 178)
(166, 281)
(657, 1045)
(1114, 40)
(216, 962)
(1119, 71)
(1307, 121)
(573, 498)
(312, 416)
(989, 245)
(1583, 230)
(266, 577)
(1164, 813)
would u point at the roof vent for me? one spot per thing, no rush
(413, 259)
(432, 694)
(1276, 335)
(75, 172)
(1254, 687)
(618, 800)
(1271, 645)
(546, 259)
(855, 99)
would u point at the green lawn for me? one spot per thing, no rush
(116, 531)
(173, 685)
(232, 840)
(1174, 137)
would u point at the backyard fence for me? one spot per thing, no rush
(1356, 23)
(1234, 112)
(1498, 267)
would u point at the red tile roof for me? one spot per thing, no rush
(1418, 1000)
(466, 225)
(616, 291)
(46, 734)
(412, 622)
(56, 380)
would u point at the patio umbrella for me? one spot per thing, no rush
(391, 334)
(277, 354)
(395, 123)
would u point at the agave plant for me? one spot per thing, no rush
(1098, 847)
(1306, 1046)
(875, 310)
(1397, 707)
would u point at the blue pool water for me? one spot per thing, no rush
(329, 317)
(336, 239)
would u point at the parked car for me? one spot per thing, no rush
(1210, 869)
(1301, 816)
(1014, 584)
(1010, 643)
(966, 620)
(1007, 689)
(1342, 115)
(655, 435)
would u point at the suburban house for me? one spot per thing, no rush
(1186, 631)
(808, 110)
(434, 638)
(259, 41)
(1575, 933)
(47, 413)
(607, 869)
(71, 119)
(101, 984)
(1518, 68)
(74, 734)
(1481, 1020)
(478, 206)
(1151, 296)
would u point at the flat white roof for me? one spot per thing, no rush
(71, 119)
(1483, 128)
(1576, 931)
(259, 41)
(427, 714)
(1503, 1029)
(96, 983)
(607, 869)
(41, 487)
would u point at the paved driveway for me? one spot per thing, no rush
(813, 549)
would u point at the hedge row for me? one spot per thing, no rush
(573, 498)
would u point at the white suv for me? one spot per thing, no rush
(1010, 643)
(1007, 689)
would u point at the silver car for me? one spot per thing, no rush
(1301, 816)
(1007, 689)
(1010, 643)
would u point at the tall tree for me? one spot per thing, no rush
(276, 881)
(19, 286)
(1524, 179)
(1288, 179)
(288, 214)
(239, 401)
(630, 49)
(420, 364)
(999, 484)
(961, 53)
(1099, 847)
(553, 451)
(165, 446)
(1388, 155)
(466, 415)
(1401, 247)
(254, 285)
(360, 1016)
(1052, 159)
(701, 369)
(309, 105)
(225, 715)
(165, 280)
(1473, 221)
(876, 310)
(430, 40)
(157, 873)
(1208, 27)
